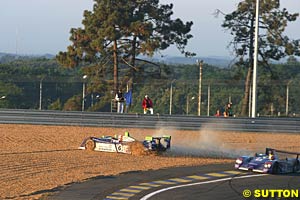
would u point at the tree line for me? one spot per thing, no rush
(62, 88)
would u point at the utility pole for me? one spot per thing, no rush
(287, 101)
(208, 100)
(171, 97)
(254, 94)
(287, 98)
(41, 94)
(83, 92)
(187, 105)
(200, 85)
(250, 97)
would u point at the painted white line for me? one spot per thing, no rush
(199, 183)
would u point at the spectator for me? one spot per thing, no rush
(228, 110)
(128, 100)
(147, 105)
(218, 114)
(120, 101)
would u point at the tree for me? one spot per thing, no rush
(10, 93)
(273, 44)
(292, 60)
(122, 30)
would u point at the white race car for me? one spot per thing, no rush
(119, 143)
(123, 143)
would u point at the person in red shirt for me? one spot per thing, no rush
(218, 114)
(147, 105)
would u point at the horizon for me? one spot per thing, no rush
(31, 28)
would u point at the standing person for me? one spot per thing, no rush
(147, 105)
(228, 110)
(128, 100)
(120, 101)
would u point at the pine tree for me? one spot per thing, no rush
(273, 44)
(122, 30)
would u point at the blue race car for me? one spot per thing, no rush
(269, 162)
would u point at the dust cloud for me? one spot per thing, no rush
(205, 142)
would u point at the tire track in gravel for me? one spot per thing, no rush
(16, 167)
(43, 165)
(39, 163)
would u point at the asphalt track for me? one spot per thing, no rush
(198, 182)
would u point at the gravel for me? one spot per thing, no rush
(36, 159)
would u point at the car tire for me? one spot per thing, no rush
(90, 145)
(275, 168)
(296, 167)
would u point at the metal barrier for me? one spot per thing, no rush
(101, 119)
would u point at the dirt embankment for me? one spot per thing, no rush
(35, 159)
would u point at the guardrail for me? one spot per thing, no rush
(101, 119)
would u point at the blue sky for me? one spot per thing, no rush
(42, 26)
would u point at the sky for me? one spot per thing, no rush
(43, 26)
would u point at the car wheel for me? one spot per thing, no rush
(296, 167)
(90, 145)
(275, 169)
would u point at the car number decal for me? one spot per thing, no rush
(119, 147)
